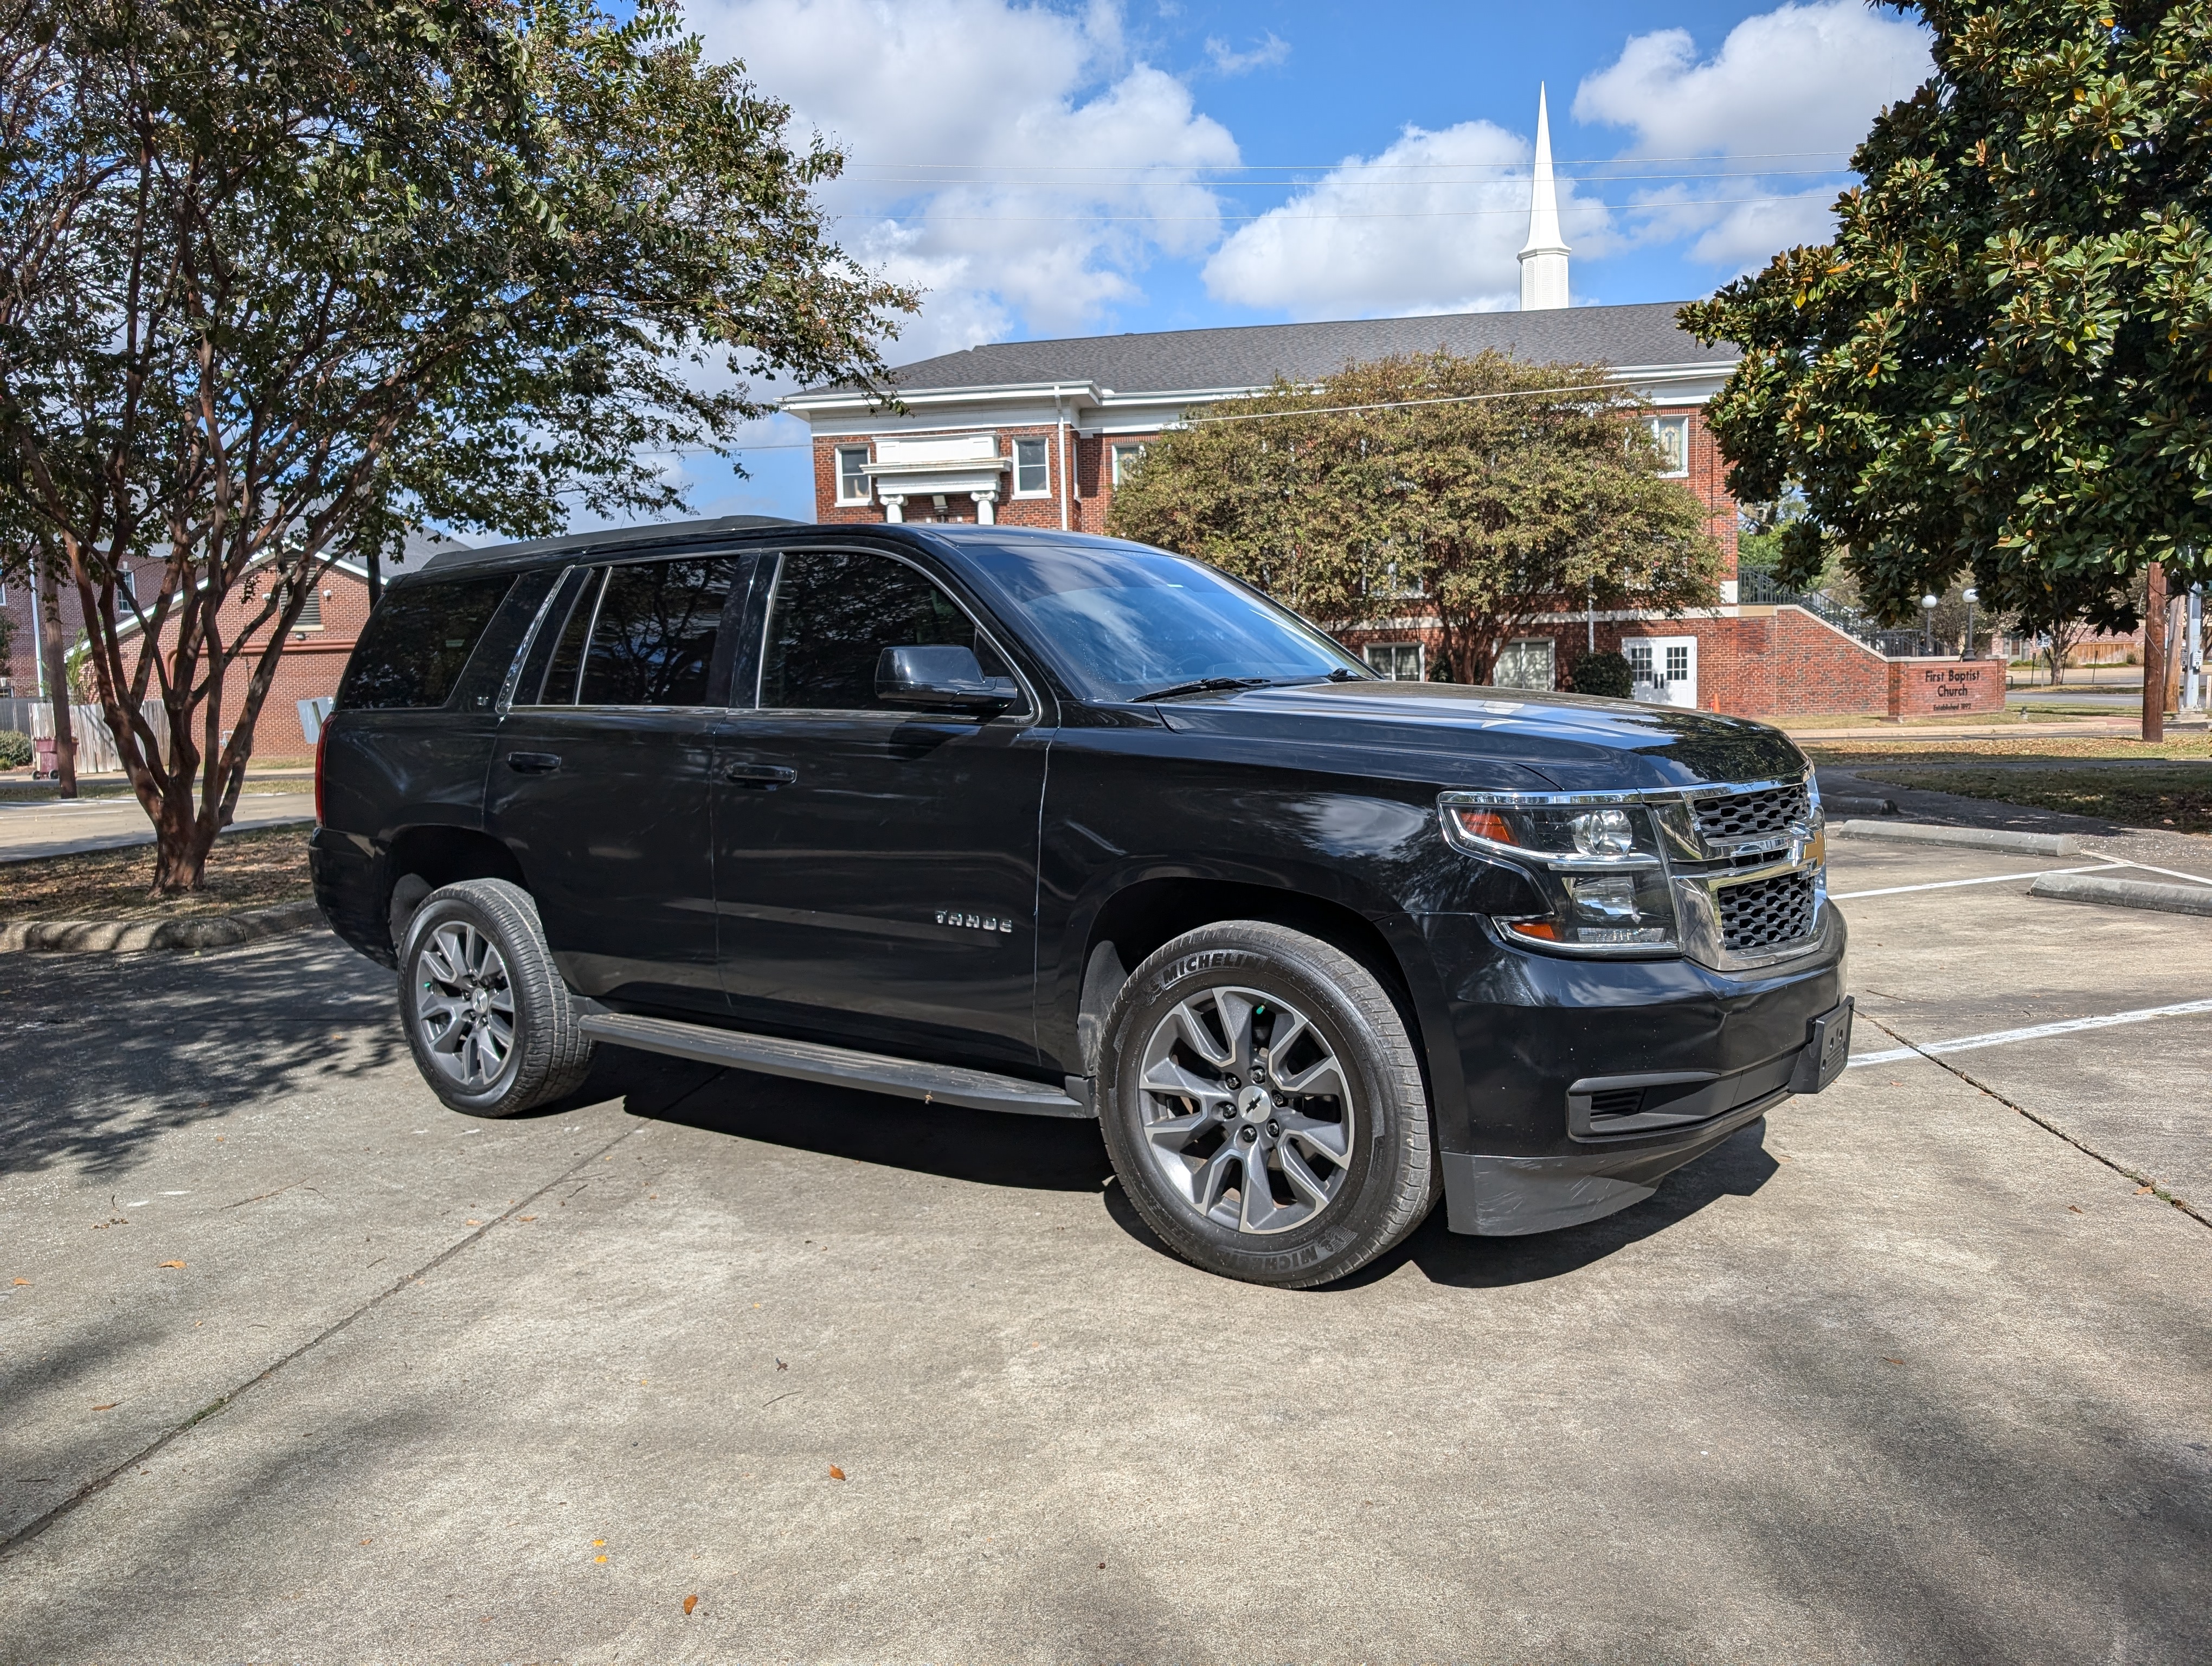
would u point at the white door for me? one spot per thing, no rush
(1666, 669)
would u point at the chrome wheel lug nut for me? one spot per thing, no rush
(1275, 1128)
(1232, 1081)
(1250, 1133)
(1281, 1101)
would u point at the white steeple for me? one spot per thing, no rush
(1543, 257)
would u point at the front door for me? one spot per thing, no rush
(602, 775)
(876, 868)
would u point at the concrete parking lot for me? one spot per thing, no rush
(299, 1366)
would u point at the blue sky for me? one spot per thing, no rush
(1072, 169)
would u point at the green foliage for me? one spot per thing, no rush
(283, 279)
(1530, 488)
(1604, 672)
(16, 749)
(2003, 363)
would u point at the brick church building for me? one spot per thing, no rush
(1039, 432)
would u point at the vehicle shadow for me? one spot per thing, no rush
(1737, 1167)
(990, 1148)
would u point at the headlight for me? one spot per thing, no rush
(1594, 857)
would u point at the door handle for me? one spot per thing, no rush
(533, 763)
(759, 774)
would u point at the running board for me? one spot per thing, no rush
(840, 1067)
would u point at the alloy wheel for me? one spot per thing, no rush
(464, 1008)
(1246, 1113)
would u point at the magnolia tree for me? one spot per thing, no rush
(1488, 492)
(282, 280)
(2003, 361)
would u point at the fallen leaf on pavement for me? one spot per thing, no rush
(1887, 1361)
(836, 1473)
(525, 1217)
(109, 1407)
(690, 1604)
(780, 1366)
(22, 1281)
(2140, 1191)
(473, 1223)
(364, 1542)
(601, 1557)
(172, 1264)
(2077, 1208)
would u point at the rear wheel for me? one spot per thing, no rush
(492, 1026)
(1263, 1103)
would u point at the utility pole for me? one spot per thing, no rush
(2192, 695)
(2154, 668)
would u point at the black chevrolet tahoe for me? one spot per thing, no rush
(1037, 822)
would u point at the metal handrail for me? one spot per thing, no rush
(1757, 586)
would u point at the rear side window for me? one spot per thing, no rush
(642, 635)
(417, 643)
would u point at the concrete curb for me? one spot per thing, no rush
(2124, 893)
(1977, 838)
(213, 931)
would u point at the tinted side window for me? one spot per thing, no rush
(833, 614)
(653, 634)
(418, 641)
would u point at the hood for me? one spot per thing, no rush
(1578, 742)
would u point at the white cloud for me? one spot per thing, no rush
(1430, 225)
(1800, 78)
(1795, 90)
(1230, 62)
(1009, 158)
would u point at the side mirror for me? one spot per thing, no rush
(941, 678)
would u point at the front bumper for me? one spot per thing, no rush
(1588, 1083)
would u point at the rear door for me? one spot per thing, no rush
(876, 868)
(601, 778)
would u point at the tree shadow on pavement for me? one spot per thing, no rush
(105, 1054)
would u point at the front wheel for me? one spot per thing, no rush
(493, 1028)
(1263, 1104)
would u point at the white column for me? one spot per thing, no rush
(985, 508)
(894, 506)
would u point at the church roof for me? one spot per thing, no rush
(1251, 355)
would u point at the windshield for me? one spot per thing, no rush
(1120, 621)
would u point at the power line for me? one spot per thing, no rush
(1520, 210)
(1319, 168)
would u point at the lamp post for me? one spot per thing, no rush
(1927, 625)
(1972, 596)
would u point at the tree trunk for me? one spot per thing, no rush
(2153, 694)
(53, 659)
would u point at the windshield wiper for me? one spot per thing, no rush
(1203, 685)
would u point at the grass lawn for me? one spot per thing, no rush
(1965, 749)
(244, 869)
(2176, 797)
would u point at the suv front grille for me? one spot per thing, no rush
(1763, 913)
(1752, 814)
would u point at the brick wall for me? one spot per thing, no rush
(1932, 688)
(19, 666)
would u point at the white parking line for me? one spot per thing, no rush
(1991, 879)
(2033, 1033)
(2170, 873)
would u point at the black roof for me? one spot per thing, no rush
(1251, 355)
(607, 537)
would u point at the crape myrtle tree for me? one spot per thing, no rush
(278, 281)
(2003, 364)
(1487, 491)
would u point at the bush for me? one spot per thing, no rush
(15, 749)
(1608, 674)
